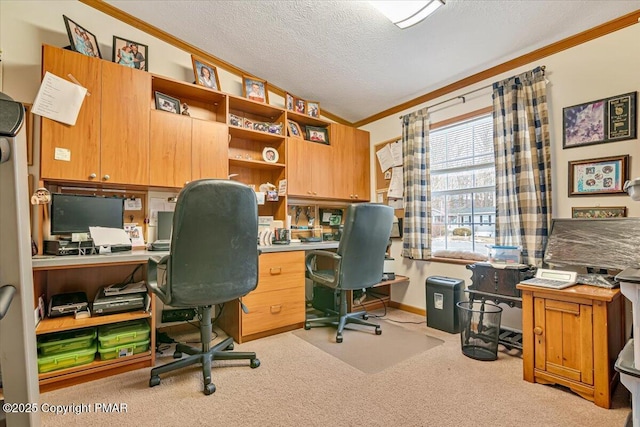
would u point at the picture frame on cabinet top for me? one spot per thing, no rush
(299, 105)
(288, 101)
(130, 53)
(313, 109)
(255, 89)
(80, 39)
(205, 74)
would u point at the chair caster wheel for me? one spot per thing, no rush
(307, 326)
(378, 331)
(229, 347)
(154, 381)
(209, 389)
(254, 363)
(339, 338)
(177, 355)
(365, 317)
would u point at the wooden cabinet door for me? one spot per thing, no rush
(124, 146)
(73, 152)
(169, 149)
(209, 150)
(563, 339)
(361, 169)
(319, 167)
(298, 173)
(341, 138)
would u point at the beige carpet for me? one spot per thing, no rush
(366, 351)
(301, 385)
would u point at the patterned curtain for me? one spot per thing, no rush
(523, 164)
(417, 193)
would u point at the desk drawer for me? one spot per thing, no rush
(281, 270)
(275, 309)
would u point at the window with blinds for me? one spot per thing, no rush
(463, 205)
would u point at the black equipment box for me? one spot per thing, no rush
(118, 303)
(443, 293)
(66, 304)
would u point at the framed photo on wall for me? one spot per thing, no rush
(599, 212)
(605, 175)
(81, 40)
(130, 54)
(205, 74)
(596, 122)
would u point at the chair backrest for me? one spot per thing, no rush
(214, 246)
(363, 245)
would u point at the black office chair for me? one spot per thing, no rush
(357, 264)
(213, 259)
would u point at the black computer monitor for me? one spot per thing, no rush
(72, 213)
(595, 244)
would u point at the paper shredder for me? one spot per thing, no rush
(443, 293)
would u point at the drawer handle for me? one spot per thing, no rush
(537, 330)
(275, 309)
(275, 270)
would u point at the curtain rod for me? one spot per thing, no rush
(543, 67)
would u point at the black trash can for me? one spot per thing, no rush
(480, 322)
(443, 293)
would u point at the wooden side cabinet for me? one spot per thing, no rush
(572, 337)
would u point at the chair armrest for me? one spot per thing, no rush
(312, 255)
(152, 276)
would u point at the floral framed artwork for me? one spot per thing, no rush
(255, 89)
(130, 54)
(167, 103)
(599, 212)
(205, 74)
(602, 176)
(317, 134)
(313, 109)
(81, 40)
(596, 122)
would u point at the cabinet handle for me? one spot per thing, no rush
(314, 193)
(275, 309)
(309, 192)
(106, 177)
(275, 270)
(186, 182)
(537, 330)
(93, 176)
(356, 196)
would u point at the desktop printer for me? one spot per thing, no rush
(103, 304)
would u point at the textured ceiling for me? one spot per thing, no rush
(356, 63)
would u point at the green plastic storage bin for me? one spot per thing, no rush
(64, 342)
(107, 353)
(66, 360)
(117, 334)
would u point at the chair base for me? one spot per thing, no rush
(204, 356)
(341, 319)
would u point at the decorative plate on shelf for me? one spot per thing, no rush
(270, 154)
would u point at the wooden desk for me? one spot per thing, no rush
(572, 337)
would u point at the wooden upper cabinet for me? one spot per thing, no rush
(124, 142)
(309, 169)
(298, 180)
(209, 150)
(73, 152)
(169, 149)
(351, 163)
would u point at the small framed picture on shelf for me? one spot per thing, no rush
(248, 124)
(288, 101)
(255, 89)
(605, 175)
(313, 109)
(294, 129)
(81, 40)
(167, 103)
(205, 74)
(599, 212)
(317, 134)
(275, 128)
(270, 154)
(261, 126)
(130, 54)
(235, 120)
(299, 105)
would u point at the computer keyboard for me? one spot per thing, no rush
(548, 283)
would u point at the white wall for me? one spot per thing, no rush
(607, 66)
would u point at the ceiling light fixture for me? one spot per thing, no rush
(407, 13)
